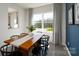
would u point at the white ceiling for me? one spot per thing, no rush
(32, 5)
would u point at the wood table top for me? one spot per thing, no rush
(8, 41)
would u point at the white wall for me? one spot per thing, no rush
(5, 33)
(27, 17)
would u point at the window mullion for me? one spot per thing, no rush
(42, 21)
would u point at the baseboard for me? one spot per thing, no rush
(68, 50)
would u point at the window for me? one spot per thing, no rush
(43, 21)
(48, 20)
(37, 21)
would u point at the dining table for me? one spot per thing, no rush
(25, 43)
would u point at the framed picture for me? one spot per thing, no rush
(76, 11)
(70, 15)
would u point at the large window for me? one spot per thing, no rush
(43, 20)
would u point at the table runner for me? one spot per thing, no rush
(21, 40)
(34, 38)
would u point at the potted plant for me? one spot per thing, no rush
(31, 28)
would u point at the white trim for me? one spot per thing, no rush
(68, 50)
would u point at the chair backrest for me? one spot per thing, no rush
(14, 37)
(45, 37)
(44, 41)
(23, 34)
(8, 50)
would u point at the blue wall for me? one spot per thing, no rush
(72, 34)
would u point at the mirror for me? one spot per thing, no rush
(12, 18)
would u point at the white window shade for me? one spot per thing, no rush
(43, 16)
(48, 15)
(37, 17)
(43, 9)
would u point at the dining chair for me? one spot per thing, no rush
(23, 34)
(9, 50)
(45, 40)
(41, 50)
(14, 37)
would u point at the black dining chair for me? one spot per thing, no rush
(23, 34)
(9, 50)
(15, 37)
(44, 44)
(41, 50)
